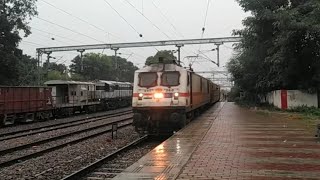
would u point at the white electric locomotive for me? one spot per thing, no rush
(167, 96)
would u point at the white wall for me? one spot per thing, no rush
(298, 98)
(295, 98)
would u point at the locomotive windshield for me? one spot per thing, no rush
(170, 79)
(148, 79)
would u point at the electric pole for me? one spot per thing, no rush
(116, 62)
(179, 53)
(81, 58)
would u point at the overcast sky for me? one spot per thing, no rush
(177, 19)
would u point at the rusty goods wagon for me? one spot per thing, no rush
(25, 104)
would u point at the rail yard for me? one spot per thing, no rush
(159, 90)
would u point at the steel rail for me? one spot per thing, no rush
(59, 124)
(39, 153)
(36, 143)
(88, 169)
(65, 125)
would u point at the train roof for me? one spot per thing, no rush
(161, 67)
(113, 82)
(57, 82)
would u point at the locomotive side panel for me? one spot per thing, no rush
(200, 91)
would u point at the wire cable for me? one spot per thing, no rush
(63, 27)
(53, 39)
(85, 21)
(46, 32)
(167, 19)
(205, 19)
(80, 19)
(204, 23)
(123, 18)
(157, 27)
(128, 23)
(32, 43)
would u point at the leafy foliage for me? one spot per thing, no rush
(13, 18)
(166, 55)
(27, 71)
(280, 46)
(102, 67)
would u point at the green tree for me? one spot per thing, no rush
(14, 17)
(280, 46)
(27, 71)
(102, 67)
(57, 75)
(165, 54)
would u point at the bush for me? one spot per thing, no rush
(306, 110)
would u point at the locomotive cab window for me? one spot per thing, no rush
(170, 79)
(107, 87)
(148, 79)
(100, 88)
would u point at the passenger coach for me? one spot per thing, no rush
(167, 96)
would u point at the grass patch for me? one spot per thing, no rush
(308, 111)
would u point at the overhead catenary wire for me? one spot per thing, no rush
(167, 19)
(71, 30)
(76, 41)
(87, 22)
(205, 18)
(32, 43)
(53, 39)
(171, 24)
(123, 18)
(64, 37)
(80, 19)
(157, 27)
(204, 29)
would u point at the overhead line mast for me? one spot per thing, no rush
(117, 46)
(142, 44)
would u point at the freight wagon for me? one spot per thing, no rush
(25, 104)
(61, 98)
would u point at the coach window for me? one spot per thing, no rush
(107, 87)
(148, 79)
(170, 79)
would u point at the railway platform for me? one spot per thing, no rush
(229, 142)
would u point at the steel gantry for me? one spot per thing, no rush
(178, 43)
(116, 46)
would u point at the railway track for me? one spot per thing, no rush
(114, 163)
(123, 123)
(43, 129)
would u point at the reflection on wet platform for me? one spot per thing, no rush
(168, 159)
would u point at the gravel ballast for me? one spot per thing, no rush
(57, 164)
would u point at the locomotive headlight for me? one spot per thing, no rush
(158, 95)
(176, 96)
(140, 96)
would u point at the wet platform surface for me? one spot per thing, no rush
(229, 142)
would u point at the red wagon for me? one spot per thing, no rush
(25, 104)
